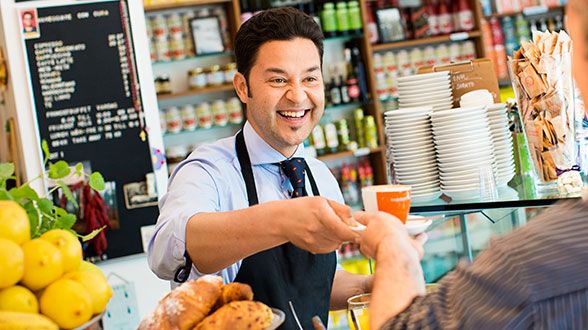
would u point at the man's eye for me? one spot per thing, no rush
(278, 81)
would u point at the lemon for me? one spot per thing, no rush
(43, 264)
(11, 263)
(14, 222)
(90, 267)
(18, 299)
(96, 285)
(67, 303)
(68, 245)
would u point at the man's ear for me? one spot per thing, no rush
(240, 84)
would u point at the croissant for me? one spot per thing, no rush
(234, 292)
(185, 306)
(251, 315)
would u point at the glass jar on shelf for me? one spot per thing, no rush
(219, 113)
(229, 71)
(173, 120)
(204, 115)
(215, 76)
(197, 78)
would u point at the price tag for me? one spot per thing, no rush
(459, 36)
(535, 10)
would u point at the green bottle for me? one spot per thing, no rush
(359, 131)
(342, 18)
(343, 134)
(329, 20)
(371, 135)
(354, 17)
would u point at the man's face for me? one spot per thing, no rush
(286, 95)
(580, 51)
(27, 20)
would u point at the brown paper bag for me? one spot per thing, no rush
(468, 76)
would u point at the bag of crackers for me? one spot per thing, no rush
(541, 75)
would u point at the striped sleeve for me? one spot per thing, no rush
(531, 278)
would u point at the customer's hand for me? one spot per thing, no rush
(317, 224)
(385, 228)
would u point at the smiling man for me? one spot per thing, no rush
(252, 207)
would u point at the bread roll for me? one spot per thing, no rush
(185, 306)
(234, 292)
(251, 315)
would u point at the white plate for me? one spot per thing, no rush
(423, 76)
(459, 148)
(472, 133)
(463, 167)
(415, 227)
(458, 112)
(425, 97)
(419, 181)
(437, 130)
(414, 135)
(423, 82)
(435, 102)
(448, 158)
(407, 112)
(422, 119)
(277, 320)
(418, 93)
(414, 198)
(480, 140)
(459, 120)
(420, 90)
(407, 153)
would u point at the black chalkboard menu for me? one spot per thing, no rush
(88, 105)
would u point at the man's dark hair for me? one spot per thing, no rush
(273, 24)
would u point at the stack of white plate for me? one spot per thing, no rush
(429, 89)
(412, 151)
(464, 146)
(502, 141)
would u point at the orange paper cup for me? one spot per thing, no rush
(390, 198)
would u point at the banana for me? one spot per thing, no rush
(25, 321)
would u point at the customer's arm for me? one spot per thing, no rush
(398, 278)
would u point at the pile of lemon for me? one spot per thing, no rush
(44, 283)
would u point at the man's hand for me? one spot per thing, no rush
(385, 228)
(316, 224)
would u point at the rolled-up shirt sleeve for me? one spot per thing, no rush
(192, 190)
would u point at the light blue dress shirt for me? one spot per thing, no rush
(210, 180)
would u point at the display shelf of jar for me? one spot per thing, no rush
(199, 91)
(529, 11)
(457, 36)
(169, 4)
(355, 153)
(201, 129)
(191, 58)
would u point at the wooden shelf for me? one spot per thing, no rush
(181, 3)
(194, 92)
(530, 11)
(201, 130)
(458, 36)
(190, 58)
(344, 154)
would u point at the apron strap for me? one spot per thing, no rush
(246, 171)
(315, 190)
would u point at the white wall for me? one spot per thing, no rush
(148, 287)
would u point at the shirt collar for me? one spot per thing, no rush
(260, 152)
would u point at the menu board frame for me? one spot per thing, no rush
(21, 98)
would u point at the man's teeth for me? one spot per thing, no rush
(294, 114)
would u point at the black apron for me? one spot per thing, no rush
(286, 275)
